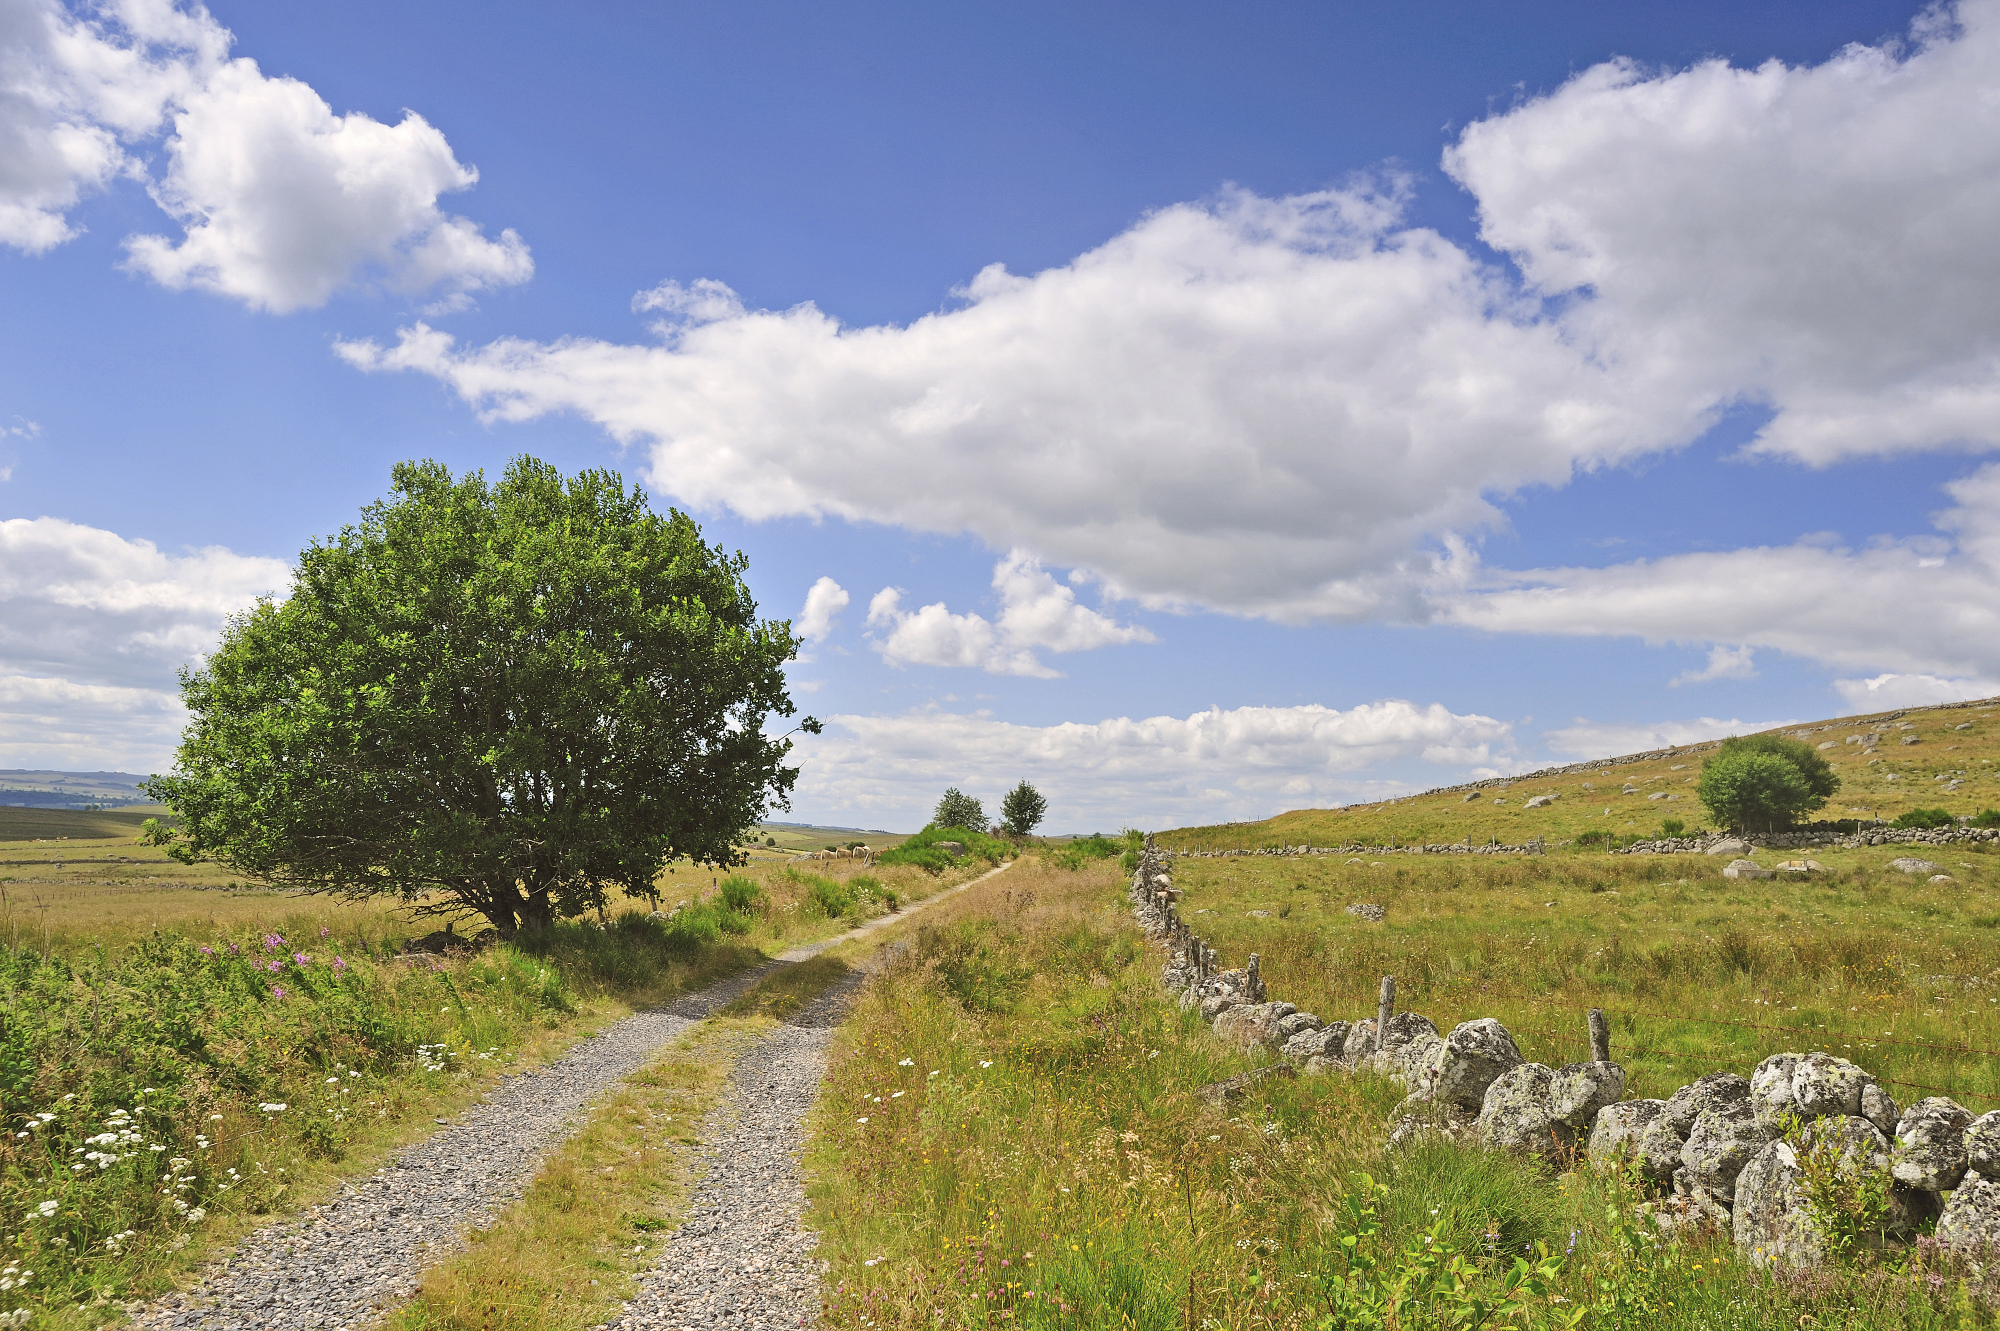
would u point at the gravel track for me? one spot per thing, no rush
(337, 1266)
(741, 1258)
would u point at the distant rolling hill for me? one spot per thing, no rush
(36, 789)
(1944, 757)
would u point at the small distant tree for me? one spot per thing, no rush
(1764, 781)
(958, 809)
(1022, 809)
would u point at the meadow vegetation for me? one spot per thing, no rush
(182, 1056)
(1010, 1131)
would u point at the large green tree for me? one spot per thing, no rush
(516, 696)
(1763, 782)
(1022, 809)
(958, 809)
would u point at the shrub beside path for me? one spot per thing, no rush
(341, 1265)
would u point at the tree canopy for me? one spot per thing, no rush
(1022, 809)
(958, 809)
(518, 696)
(1764, 781)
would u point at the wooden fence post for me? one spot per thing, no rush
(1385, 1008)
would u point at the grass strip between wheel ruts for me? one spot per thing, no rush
(570, 1253)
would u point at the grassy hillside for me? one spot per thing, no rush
(1878, 780)
(19, 824)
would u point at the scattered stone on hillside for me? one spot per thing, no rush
(1963, 725)
(1253, 1025)
(1971, 1219)
(1982, 1145)
(1830, 744)
(1368, 910)
(1628, 789)
(1729, 845)
(1911, 739)
(1499, 801)
(1724, 1139)
(1659, 795)
(1619, 1128)
(1467, 1062)
(1236, 1088)
(1539, 801)
(950, 847)
(1745, 869)
(1930, 1144)
(1258, 914)
(1940, 878)
(1470, 796)
(1910, 864)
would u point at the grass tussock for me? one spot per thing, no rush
(569, 1254)
(1009, 1133)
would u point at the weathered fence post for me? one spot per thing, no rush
(1600, 1036)
(1385, 1008)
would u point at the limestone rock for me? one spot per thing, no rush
(1368, 910)
(1712, 1091)
(1177, 976)
(1253, 1025)
(1772, 1224)
(1771, 1093)
(1745, 869)
(1729, 845)
(1324, 1043)
(1299, 1021)
(1403, 1028)
(1619, 1128)
(1217, 1004)
(1724, 1139)
(1879, 1108)
(1971, 1218)
(1410, 1062)
(1824, 1084)
(1515, 1114)
(1910, 864)
(1658, 1146)
(1540, 801)
(1930, 1144)
(1982, 1145)
(1416, 1120)
(1468, 1061)
(1690, 1213)
(1579, 1091)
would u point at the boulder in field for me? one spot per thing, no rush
(1745, 869)
(1299, 1021)
(1911, 864)
(1325, 1042)
(1971, 1219)
(1982, 1145)
(1467, 1061)
(1729, 845)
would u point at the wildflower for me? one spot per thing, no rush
(986, 1063)
(277, 991)
(272, 942)
(906, 1063)
(324, 931)
(206, 952)
(269, 1108)
(339, 966)
(932, 1075)
(301, 958)
(48, 1208)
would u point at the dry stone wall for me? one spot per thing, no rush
(1743, 1155)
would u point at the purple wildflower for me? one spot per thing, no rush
(301, 958)
(277, 991)
(206, 952)
(339, 965)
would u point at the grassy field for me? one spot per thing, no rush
(273, 1043)
(1878, 781)
(1009, 1131)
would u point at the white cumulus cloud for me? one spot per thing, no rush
(825, 600)
(282, 201)
(1266, 406)
(93, 626)
(1889, 691)
(1724, 662)
(1037, 613)
(1248, 762)
(1815, 238)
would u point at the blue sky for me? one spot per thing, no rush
(1245, 407)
